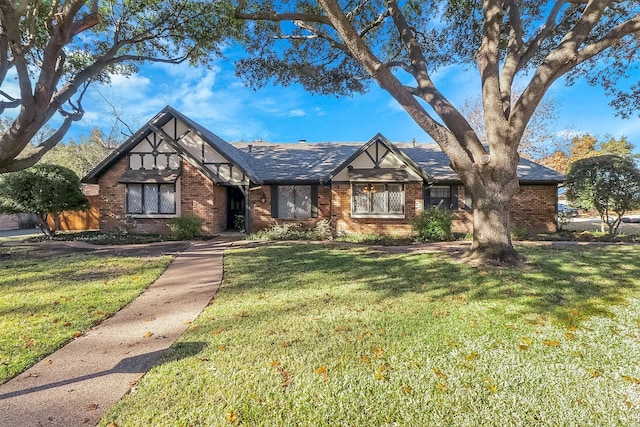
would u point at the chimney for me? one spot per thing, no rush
(302, 141)
(250, 146)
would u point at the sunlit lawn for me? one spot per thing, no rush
(308, 334)
(47, 300)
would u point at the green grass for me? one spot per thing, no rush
(47, 300)
(315, 335)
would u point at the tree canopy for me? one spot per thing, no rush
(80, 156)
(55, 49)
(585, 146)
(609, 184)
(44, 190)
(519, 48)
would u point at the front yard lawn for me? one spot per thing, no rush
(327, 335)
(47, 299)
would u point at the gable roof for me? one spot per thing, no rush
(305, 162)
(230, 153)
(379, 138)
(264, 162)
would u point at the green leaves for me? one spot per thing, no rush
(43, 190)
(610, 184)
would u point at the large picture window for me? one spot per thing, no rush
(377, 199)
(151, 199)
(293, 201)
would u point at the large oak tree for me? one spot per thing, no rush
(338, 46)
(51, 51)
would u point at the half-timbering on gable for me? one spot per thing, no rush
(173, 167)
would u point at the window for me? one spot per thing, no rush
(151, 199)
(441, 196)
(294, 201)
(377, 199)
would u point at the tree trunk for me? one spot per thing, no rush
(491, 232)
(492, 189)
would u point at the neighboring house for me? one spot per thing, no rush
(173, 167)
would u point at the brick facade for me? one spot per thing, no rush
(342, 221)
(198, 196)
(532, 208)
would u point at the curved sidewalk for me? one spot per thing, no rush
(77, 384)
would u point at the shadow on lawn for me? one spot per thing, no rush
(566, 284)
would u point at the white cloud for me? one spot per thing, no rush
(297, 112)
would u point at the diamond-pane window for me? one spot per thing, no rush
(151, 198)
(167, 199)
(377, 199)
(396, 198)
(134, 198)
(360, 198)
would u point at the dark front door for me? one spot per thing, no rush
(235, 208)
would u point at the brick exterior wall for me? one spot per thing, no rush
(198, 196)
(533, 207)
(342, 221)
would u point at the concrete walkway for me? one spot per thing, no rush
(77, 384)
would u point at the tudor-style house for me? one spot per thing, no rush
(173, 167)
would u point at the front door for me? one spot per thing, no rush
(235, 209)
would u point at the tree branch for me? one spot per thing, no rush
(23, 162)
(428, 91)
(11, 103)
(279, 17)
(545, 30)
(562, 59)
(514, 52)
(374, 24)
(488, 64)
(363, 54)
(611, 38)
(324, 36)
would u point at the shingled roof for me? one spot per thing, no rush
(264, 162)
(303, 162)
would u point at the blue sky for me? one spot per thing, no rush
(218, 100)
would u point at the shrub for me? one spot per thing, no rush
(323, 230)
(238, 223)
(185, 227)
(295, 231)
(433, 225)
(519, 232)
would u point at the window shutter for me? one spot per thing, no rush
(454, 197)
(427, 198)
(274, 201)
(314, 201)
